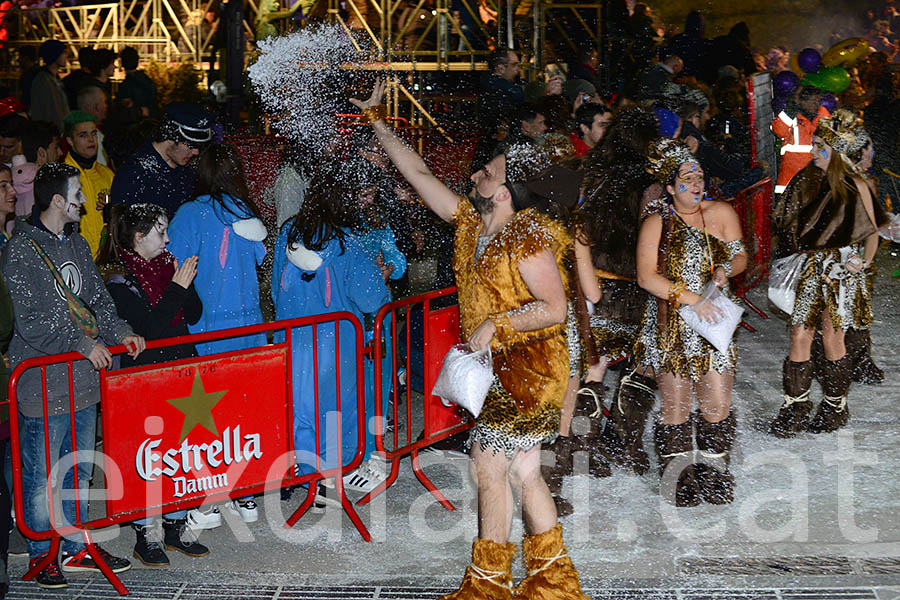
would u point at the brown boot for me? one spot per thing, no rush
(551, 574)
(833, 412)
(793, 416)
(556, 462)
(489, 577)
(859, 347)
(623, 437)
(589, 404)
(676, 442)
(714, 440)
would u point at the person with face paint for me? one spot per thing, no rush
(827, 213)
(512, 298)
(60, 308)
(687, 244)
(156, 296)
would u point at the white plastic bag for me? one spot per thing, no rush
(891, 231)
(783, 277)
(718, 334)
(465, 378)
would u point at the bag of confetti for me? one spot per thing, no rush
(465, 378)
(784, 274)
(720, 333)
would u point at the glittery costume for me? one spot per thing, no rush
(531, 368)
(819, 224)
(665, 342)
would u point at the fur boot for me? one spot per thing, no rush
(714, 440)
(677, 442)
(489, 577)
(793, 416)
(859, 347)
(589, 404)
(551, 574)
(833, 412)
(623, 437)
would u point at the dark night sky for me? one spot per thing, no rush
(791, 23)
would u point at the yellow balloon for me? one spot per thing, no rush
(795, 67)
(846, 53)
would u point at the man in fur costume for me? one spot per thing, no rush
(512, 298)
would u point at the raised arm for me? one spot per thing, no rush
(437, 196)
(584, 267)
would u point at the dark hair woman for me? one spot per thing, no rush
(827, 214)
(321, 267)
(156, 296)
(689, 243)
(617, 189)
(221, 228)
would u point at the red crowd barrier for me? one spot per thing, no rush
(754, 208)
(140, 463)
(437, 332)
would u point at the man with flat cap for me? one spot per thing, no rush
(48, 96)
(159, 171)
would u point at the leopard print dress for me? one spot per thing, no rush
(671, 346)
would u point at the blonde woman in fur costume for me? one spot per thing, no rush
(827, 213)
(688, 243)
(512, 297)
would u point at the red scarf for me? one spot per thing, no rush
(154, 276)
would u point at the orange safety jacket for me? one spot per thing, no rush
(796, 136)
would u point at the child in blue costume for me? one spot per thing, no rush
(320, 268)
(221, 228)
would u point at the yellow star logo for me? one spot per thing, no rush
(197, 408)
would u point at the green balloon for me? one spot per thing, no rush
(830, 79)
(836, 79)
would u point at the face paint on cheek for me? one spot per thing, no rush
(696, 198)
(682, 187)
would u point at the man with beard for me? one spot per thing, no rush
(794, 126)
(512, 298)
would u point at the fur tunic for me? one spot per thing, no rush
(532, 367)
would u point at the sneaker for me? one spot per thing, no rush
(179, 536)
(325, 496)
(367, 476)
(199, 519)
(149, 545)
(81, 562)
(246, 509)
(50, 576)
(18, 547)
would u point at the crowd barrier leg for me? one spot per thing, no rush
(422, 477)
(751, 306)
(104, 567)
(345, 504)
(747, 326)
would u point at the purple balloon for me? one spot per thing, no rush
(809, 60)
(829, 102)
(785, 83)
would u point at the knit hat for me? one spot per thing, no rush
(50, 50)
(844, 132)
(665, 156)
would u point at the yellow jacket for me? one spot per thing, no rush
(93, 180)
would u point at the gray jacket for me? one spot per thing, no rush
(43, 324)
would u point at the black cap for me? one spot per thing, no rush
(189, 122)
